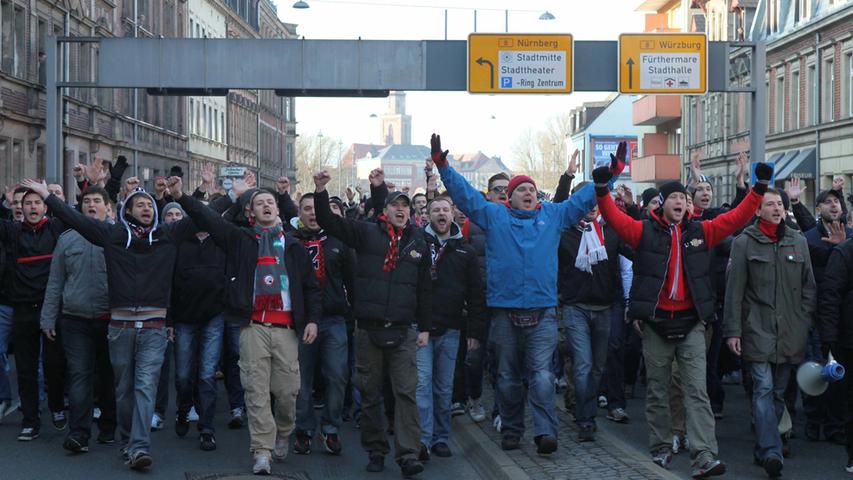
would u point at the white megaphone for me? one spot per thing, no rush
(814, 378)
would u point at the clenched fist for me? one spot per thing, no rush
(377, 177)
(321, 179)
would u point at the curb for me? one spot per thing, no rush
(486, 457)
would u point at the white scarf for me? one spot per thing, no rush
(590, 251)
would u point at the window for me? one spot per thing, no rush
(14, 40)
(780, 104)
(827, 107)
(811, 103)
(795, 100)
(849, 89)
(222, 130)
(803, 10)
(191, 27)
(192, 115)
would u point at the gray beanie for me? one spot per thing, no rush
(172, 205)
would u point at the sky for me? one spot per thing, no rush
(464, 121)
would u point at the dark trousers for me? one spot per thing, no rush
(613, 381)
(87, 352)
(844, 356)
(230, 366)
(27, 338)
(824, 411)
(713, 377)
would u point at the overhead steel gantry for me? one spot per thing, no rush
(338, 68)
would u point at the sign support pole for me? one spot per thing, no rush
(758, 120)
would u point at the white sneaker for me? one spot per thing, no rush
(193, 415)
(96, 413)
(602, 401)
(282, 445)
(680, 444)
(156, 422)
(497, 423)
(476, 411)
(262, 464)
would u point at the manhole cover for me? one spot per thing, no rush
(245, 476)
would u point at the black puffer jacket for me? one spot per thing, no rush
(199, 283)
(401, 296)
(458, 284)
(835, 298)
(477, 240)
(339, 266)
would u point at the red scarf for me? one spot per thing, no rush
(34, 227)
(466, 230)
(393, 247)
(318, 258)
(771, 230)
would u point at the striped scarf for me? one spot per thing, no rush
(393, 247)
(272, 287)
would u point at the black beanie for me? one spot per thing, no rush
(669, 188)
(648, 195)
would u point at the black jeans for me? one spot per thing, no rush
(87, 353)
(716, 393)
(844, 356)
(27, 338)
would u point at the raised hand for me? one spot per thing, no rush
(377, 177)
(78, 171)
(763, 172)
(282, 185)
(208, 175)
(573, 163)
(795, 189)
(618, 162)
(321, 178)
(838, 183)
(439, 158)
(10, 194)
(625, 194)
(95, 172)
(239, 187)
(38, 187)
(160, 187)
(175, 185)
(131, 184)
(249, 177)
(837, 233)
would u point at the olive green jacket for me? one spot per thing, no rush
(770, 296)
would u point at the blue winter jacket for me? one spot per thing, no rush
(521, 246)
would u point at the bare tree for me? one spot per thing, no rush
(542, 154)
(316, 152)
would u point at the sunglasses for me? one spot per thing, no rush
(499, 189)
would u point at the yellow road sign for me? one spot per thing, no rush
(663, 63)
(534, 63)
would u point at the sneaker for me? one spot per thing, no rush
(59, 420)
(411, 467)
(332, 443)
(510, 443)
(441, 449)
(125, 456)
(545, 444)
(376, 464)
(96, 413)
(602, 401)
(28, 434)
(302, 444)
(586, 434)
(282, 447)
(476, 411)
(772, 467)
(236, 418)
(192, 416)
(662, 458)
(497, 423)
(140, 460)
(718, 415)
(423, 453)
(849, 468)
(709, 468)
(182, 425)
(156, 422)
(561, 385)
(106, 438)
(75, 445)
(207, 442)
(457, 409)
(618, 415)
(262, 464)
(679, 444)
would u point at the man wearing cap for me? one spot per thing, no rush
(825, 413)
(522, 238)
(770, 297)
(672, 301)
(392, 291)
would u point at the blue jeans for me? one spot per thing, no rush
(5, 370)
(525, 353)
(436, 364)
(768, 403)
(198, 348)
(230, 366)
(137, 356)
(330, 351)
(588, 332)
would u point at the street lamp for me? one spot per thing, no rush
(545, 16)
(301, 5)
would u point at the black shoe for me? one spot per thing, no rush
(510, 443)
(302, 444)
(423, 455)
(140, 461)
(182, 425)
(106, 437)
(75, 445)
(411, 467)
(332, 443)
(207, 442)
(28, 434)
(377, 463)
(586, 434)
(813, 431)
(545, 444)
(441, 449)
(772, 467)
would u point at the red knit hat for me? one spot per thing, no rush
(516, 181)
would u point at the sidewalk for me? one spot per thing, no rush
(606, 458)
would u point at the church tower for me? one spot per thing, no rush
(396, 126)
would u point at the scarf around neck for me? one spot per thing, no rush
(394, 236)
(313, 242)
(591, 249)
(34, 227)
(272, 287)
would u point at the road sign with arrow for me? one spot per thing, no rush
(663, 63)
(532, 63)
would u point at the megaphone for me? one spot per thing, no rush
(814, 378)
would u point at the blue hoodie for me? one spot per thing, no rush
(521, 246)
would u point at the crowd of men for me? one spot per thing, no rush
(391, 311)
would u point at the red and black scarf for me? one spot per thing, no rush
(394, 235)
(34, 227)
(318, 257)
